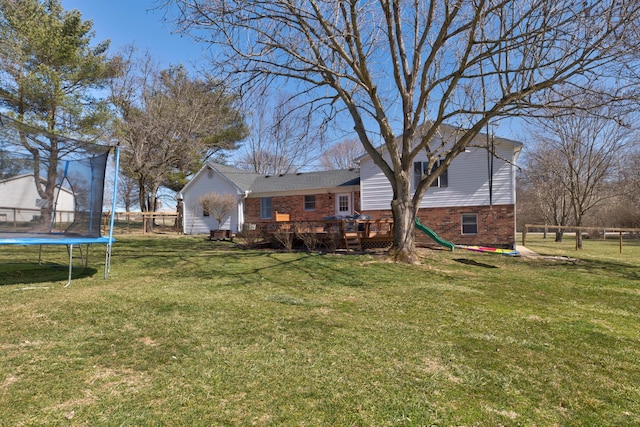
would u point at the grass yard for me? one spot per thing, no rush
(192, 332)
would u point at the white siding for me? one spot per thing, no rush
(375, 190)
(208, 181)
(21, 193)
(468, 182)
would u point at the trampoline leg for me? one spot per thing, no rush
(84, 257)
(70, 247)
(107, 262)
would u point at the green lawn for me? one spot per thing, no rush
(191, 332)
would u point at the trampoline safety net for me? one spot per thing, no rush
(49, 184)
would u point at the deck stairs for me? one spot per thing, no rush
(351, 237)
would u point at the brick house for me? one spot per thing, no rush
(473, 203)
(308, 196)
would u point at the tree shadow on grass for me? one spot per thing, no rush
(596, 266)
(473, 263)
(239, 265)
(31, 272)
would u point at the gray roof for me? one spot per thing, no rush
(453, 130)
(240, 178)
(255, 183)
(306, 181)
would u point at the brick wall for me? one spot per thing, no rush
(495, 225)
(294, 206)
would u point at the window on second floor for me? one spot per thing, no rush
(420, 169)
(310, 203)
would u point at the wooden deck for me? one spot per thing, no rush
(352, 235)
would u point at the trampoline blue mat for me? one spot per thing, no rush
(50, 239)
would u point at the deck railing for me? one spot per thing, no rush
(369, 229)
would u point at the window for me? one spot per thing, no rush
(420, 170)
(469, 223)
(205, 210)
(310, 203)
(265, 208)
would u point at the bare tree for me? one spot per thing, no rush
(624, 209)
(127, 191)
(577, 156)
(218, 205)
(342, 155)
(541, 176)
(283, 137)
(400, 69)
(169, 124)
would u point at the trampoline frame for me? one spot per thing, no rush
(69, 239)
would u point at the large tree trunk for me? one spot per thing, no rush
(48, 192)
(142, 195)
(403, 248)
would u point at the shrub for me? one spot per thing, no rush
(305, 232)
(218, 205)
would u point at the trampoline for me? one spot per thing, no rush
(52, 191)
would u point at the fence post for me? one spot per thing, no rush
(620, 241)
(524, 235)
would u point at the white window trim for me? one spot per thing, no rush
(435, 184)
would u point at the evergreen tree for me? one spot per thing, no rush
(49, 77)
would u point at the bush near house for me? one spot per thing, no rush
(218, 206)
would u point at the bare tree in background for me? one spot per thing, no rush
(169, 123)
(541, 176)
(398, 70)
(577, 156)
(283, 137)
(127, 191)
(342, 155)
(630, 197)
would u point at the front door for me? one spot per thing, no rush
(343, 204)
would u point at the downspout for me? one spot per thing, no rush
(241, 211)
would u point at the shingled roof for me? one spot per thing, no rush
(240, 178)
(255, 183)
(306, 181)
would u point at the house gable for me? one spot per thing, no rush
(207, 180)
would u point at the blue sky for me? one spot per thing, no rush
(135, 21)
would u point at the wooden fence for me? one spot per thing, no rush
(142, 221)
(578, 231)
